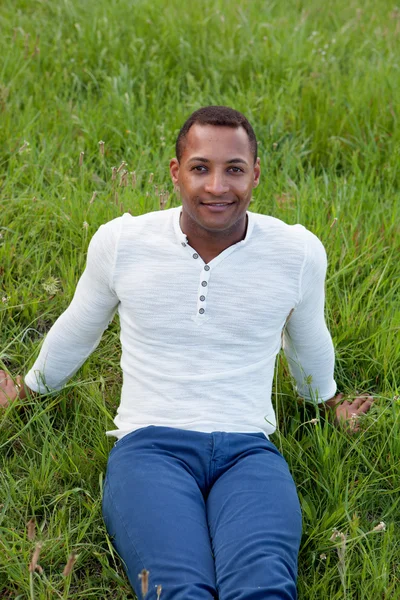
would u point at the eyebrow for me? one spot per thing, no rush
(228, 162)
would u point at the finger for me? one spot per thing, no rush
(346, 404)
(360, 400)
(365, 406)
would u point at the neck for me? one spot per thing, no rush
(208, 244)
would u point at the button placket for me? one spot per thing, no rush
(203, 291)
(201, 312)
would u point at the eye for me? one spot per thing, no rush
(199, 168)
(236, 169)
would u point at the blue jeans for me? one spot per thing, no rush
(209, 515)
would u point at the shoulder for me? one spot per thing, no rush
(133, 226)
(148, 224)
(106, 236)
(295, 236)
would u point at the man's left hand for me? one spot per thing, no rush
(348, 412)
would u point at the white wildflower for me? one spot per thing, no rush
(52, 285)
(380, 527)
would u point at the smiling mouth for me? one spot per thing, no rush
(217, 203)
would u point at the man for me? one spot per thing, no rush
(195, 492)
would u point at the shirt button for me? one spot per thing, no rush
(183, 244)
(204, 283)
(206, 268)
(202, 311)
(195, 255)
(202, 298)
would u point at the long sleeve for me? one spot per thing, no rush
(306, 341)
(78, 331)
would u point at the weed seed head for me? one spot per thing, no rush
(121, 166)
(24, 147)
(70, 564)
(33, 565)
(31, 525)
(144, 577)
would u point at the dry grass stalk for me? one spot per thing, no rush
(133, 178)
(82, 154)
(31, 526)
(151, 177)
(70, 564)
(93, 198)
(27, 36)
(101, 147)
(163, 199)
(114, 173)
(36, 50)
(33, 565)
(341, 551)
(144, 577)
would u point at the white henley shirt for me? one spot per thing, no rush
(199, 341)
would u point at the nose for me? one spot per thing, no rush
(216, 184)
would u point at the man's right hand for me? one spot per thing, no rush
(10, 390)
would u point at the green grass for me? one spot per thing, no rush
(320, 82)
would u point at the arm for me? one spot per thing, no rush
(77, 332)
(306, 340)
(308, 344)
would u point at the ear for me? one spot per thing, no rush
(257, 173)
(174, 170)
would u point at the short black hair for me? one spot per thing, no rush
(219, 116)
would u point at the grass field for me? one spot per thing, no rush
(320, 83)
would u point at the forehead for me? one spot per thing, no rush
(217, 143)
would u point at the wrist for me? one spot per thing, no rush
(332, 403)
(23, 390)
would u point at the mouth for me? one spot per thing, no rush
(217, 206)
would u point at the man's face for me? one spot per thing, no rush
(215, 177)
